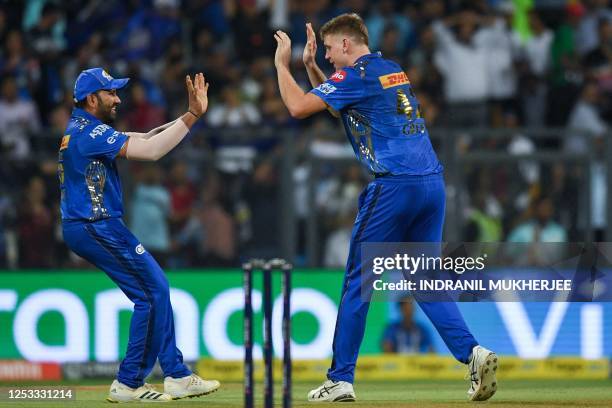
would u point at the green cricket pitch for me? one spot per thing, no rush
(421, 393)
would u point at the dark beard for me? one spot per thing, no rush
(106, 116)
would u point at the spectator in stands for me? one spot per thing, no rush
(461, 57)
(143, 115)
(381, 21)
(35, 227)
(252, 36)
(15, 62)
(598, 62)
(150, 212)
(501, 72)
(232, 111)
(148, 31)
(389, 43)
(211, 229)
(535, 55)
(484, 219)
(540, 225)
(182, 195)
(273, 109)
(338, 241)
(18, 121)
(47, 39)
(586, 38)
(263, 211)
(585, 121)
(407, 336)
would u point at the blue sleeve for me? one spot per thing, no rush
(101, 141)
(343, 88)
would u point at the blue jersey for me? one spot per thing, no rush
(381, 116)
(89, 181)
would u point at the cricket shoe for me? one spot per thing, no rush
(189, 386)
(333, 391)
(120, 392)
(482, 368)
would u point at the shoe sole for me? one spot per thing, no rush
(488, 381)
(114, 401)
(339, 398)
(196, 395)
(345, 398)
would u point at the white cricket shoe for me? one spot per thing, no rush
(189, 386)
(332, 391)
(120, 392)
(482, 368)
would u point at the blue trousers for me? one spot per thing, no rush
(110, 246)
(394, 209)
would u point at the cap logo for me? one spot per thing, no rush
(106, 75)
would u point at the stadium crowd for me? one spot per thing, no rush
(494, 64)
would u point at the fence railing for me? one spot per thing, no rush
(463, 152)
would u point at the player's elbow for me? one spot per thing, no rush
(298, 112)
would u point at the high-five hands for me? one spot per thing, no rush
(283, 49)
(310, 50)
(198, 94)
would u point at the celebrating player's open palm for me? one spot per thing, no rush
(198, 93)
(310, 50)
(283, 49)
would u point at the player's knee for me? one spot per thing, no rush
(161, 293)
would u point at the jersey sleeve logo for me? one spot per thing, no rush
(65, 141)
(325, 88)
(394, 79)
(338, 76)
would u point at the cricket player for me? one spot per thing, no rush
(404, 203)
(92, 210)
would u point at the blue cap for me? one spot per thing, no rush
(95, 79)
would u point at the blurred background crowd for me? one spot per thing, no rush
(496, 79)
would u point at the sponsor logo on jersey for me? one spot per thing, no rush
(338, 76)
(112, 138)
(325, 88)
(394, 79)
(98, 130)
(139, 249)
(65, 141)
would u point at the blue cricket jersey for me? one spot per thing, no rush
(381, 116)
(89, 181)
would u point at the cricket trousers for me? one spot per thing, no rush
(110, 246)
(394, 209)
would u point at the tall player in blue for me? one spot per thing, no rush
(404, 203)
(92, 210)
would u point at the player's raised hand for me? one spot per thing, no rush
(283, 49)
(310, 49)
(198, 94)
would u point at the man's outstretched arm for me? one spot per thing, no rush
(151, 132)
(158, 145)
(299, 103)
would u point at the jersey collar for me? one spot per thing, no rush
(376, 54)
(78, 112)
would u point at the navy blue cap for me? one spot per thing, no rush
(95, 79)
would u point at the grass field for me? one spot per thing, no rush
(422, 393)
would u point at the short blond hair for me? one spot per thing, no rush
(350, 24)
